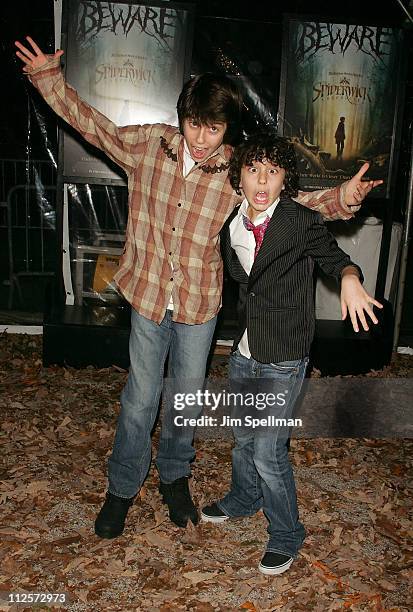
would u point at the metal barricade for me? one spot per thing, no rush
(18, 177)
(31, 232)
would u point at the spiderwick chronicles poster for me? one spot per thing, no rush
(340, 99)
(128, 60)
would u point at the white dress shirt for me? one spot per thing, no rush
(243, 243)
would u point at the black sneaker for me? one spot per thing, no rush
(110, 521)
(274, 563)
(213, 514)
(178, 499)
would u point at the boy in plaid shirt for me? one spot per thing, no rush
(171, 270)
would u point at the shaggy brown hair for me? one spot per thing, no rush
(209, 98)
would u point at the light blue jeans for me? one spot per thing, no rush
(262, 475)
(149, 344)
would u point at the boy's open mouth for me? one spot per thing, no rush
(198, 152)
(261, 197)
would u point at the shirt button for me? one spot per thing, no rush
(252, 294)
(170, 252)
(171, 278)
(173, 229)
(179, 204)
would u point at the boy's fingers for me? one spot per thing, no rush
(374, 302)
(33, 44)
(24, 59)
(365, 326)
(360, 314)
(362, 171)
(367, 186)
(354, 321)
(24, 51)
(371, 300)
(21, 56)
(376, 183)
(371, 314)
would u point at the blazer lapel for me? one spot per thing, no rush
(228, 253)
(280, 230)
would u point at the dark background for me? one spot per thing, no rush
(226, 34)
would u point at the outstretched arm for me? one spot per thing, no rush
(340, 202)
(322, 247)
(355, 300)
(124, 145)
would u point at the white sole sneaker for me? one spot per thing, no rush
(278, 569)
(213, 519)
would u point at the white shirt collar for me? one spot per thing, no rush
(262, 216)
(186, 149)
(188, 162)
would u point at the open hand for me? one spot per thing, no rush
(356, 301)
(34, 58)
(355, 190)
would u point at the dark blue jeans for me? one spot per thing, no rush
(149, 344)
(262, 475)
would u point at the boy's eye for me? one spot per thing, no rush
(252, 169)
(273, 171)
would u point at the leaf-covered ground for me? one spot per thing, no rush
(355, 499)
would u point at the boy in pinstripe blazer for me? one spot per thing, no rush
(171, 268)
(269, 245)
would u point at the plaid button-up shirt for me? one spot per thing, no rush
(172, 235)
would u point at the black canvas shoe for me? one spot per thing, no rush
(110, 521)
(213, 514)
(177, 497)
(274, 563)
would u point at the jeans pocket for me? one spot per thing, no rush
(286, 367)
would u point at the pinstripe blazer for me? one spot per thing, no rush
(276, 301)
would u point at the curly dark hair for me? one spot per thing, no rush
(275, 149)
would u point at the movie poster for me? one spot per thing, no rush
(129, 61)
(339, 99)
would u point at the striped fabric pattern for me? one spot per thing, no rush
(276, 300)
(172, 236)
